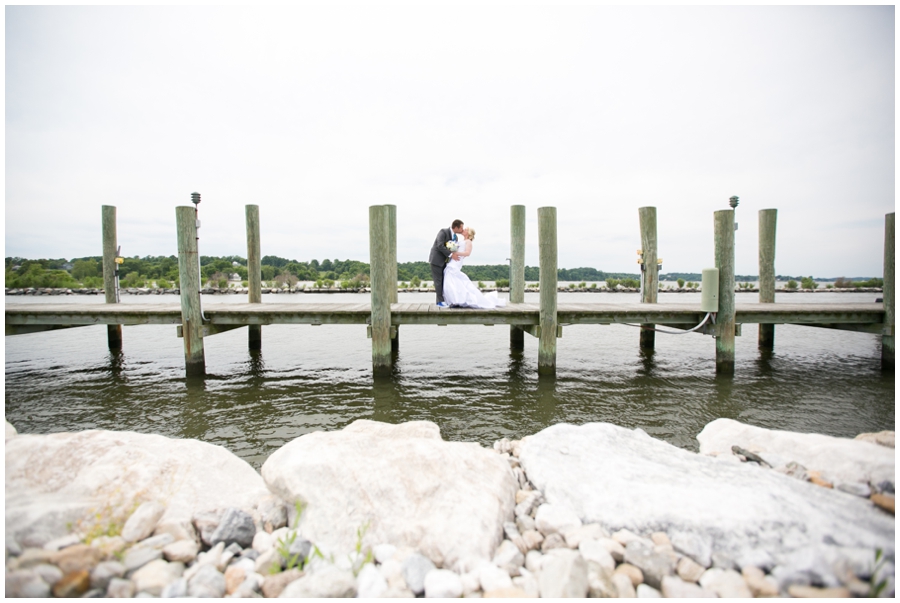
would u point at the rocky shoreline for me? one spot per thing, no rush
(276, 291)
(379, 510)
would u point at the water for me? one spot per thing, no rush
(464, 378)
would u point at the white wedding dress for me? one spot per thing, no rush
(459, 291)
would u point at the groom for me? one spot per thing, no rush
(440, 255)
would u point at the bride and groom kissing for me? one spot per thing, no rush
(453, 288)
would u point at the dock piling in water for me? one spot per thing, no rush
(254, 272)
(110, 251)
(189, 275)
(547, 242)
(887, 338)
(516, 270)
(768, 219)
(380, 274)
(649, 271)
(724, 237)
(392, 263)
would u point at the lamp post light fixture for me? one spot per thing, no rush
(733, 202)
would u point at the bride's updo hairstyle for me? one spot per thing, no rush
(471, 233)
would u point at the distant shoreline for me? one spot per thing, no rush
(243, 291)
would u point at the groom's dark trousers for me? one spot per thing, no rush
(438, 259)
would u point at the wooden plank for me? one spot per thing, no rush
(649, 271)
(725, 318)
(767, 223)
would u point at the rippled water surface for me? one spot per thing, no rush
(464, 378)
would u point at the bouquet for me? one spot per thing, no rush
(453, 247)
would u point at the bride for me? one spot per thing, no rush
(459, 291)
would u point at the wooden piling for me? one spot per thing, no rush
(380, 274)
(392, 264)
(724, 235)
(110, 250)
(649, 271)
(189, 276)
(767, 221)
(549, 266)
(254, 272)
(887, 337)
(517, 270)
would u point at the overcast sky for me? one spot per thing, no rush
(448, 112)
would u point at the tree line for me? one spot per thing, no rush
(86, 272)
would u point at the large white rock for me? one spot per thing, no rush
(447, 500)
(10, 430)
(626, 479)
(57, 479)
(839, 459)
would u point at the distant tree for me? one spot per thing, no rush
(807, 282)
(82, 269)
(680, 283)
(791, 284)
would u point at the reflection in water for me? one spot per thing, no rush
(465, 379)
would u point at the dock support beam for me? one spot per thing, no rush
(110, 250)
(379, 267)
(516, 270)
(768, 218)
(548, 259)
(887, 339)
(392, 263)
(189, 277)
(254, 273)
(649, 271)
(724, 234)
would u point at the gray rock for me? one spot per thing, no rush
(594, 550)
(443, 584)
(143, 521)
(272, 513)
(674, 587)
(555, 518)
(137, 558)
(645, 591)
(509, 558)
(383, 552)
(492, 578)
(855, 488)
(106, 571)
(26, 583)
(329, 581)
(206, 522)
(653, 563)
(236, 526)
(843, 459)
(740, 508)
(154, 576)
(447, 499)
(111, 469)
(119, 588)
(563, 574)
(415, 567)
(370, 584)
(48, 573)
(600, 582)
(207, 582)
(726, 583)
(184, 551)
(300, 548)
(175, 590)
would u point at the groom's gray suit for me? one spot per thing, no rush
(438, 259)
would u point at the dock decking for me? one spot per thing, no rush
(29, 318)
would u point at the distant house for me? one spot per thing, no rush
(235, 263)
(235, 277)
(68, 266)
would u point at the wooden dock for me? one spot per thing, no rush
(31, 318)
(384, 316)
